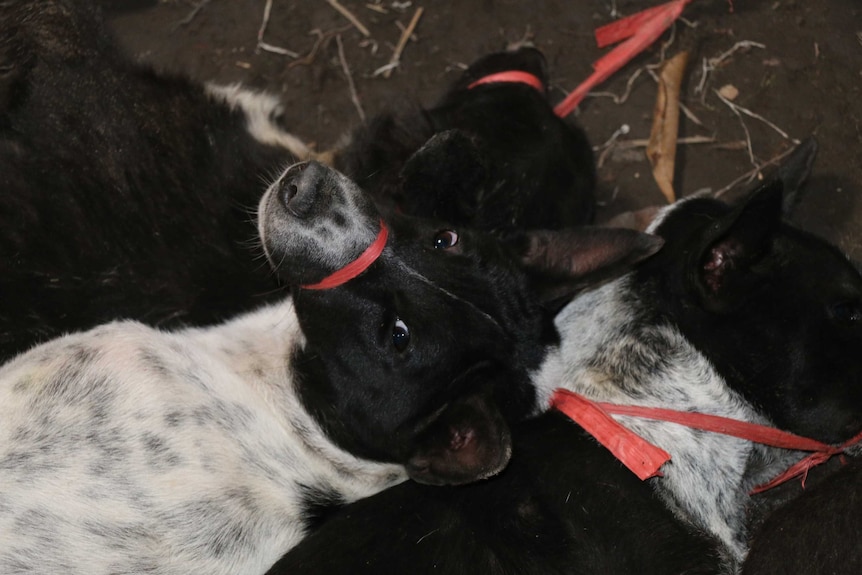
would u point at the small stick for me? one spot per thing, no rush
(752, 174)
(349, 15)
(402, 42)
(735, 110)
(353, 95)
(712, 63)
(187, 20)
(260, 31)
(748, 112)
(261, 45)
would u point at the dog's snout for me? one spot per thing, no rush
(299, 187)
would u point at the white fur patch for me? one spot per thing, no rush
(261, 110)
(127, 450)
(611, 353)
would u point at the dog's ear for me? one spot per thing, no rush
(722, 271)
(440, 181)
(562, 263)
(794, 171)
(466, 441)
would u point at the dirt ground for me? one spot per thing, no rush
(804, 76)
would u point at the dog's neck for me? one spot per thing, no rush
(260, 347)
(615, 349)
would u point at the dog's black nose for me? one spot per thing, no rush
(299, 187)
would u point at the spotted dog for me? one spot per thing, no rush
(131, 449)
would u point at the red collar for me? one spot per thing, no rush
(516, 76)
(357, 266)
(645, 459)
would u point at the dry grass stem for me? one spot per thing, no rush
(710, 64)
(402, 42)
(349, 15)
(353, 95)
(749, 176)
(191, 16)
(322, 37)
(377, 8)
(625, 95)
(263, 46)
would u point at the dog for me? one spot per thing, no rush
(740, 315)
(127, 448)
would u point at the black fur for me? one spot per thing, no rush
(563, 505)
(125, 193)
(816, 533)
(720, 264)
(507, 161)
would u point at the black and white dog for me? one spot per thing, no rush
(130, 194)
(126, 448)
(739, 315)
(129, 449)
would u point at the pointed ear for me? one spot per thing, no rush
(466, 442)
(794, 171)
(440, 180)
(562, 263)
(732, 244)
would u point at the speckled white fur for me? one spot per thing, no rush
(611, 352)
(131, 450)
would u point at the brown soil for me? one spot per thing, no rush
(807, 79)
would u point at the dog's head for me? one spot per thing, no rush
(425, 355)
(507, 161)
(776, 309)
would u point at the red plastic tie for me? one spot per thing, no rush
(639, 31)
(610, 436)
(642, 457)
(515, 76)
(357, 266)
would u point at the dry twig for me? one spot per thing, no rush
(748, 176)
(191, 16)
(353, 95)
(322, 37)
(711, 64)
(349, 15)
(402, 42)
(261, 45)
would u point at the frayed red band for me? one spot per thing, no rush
(637, 32)
(594, 417)
(516, 76)
(357, 266)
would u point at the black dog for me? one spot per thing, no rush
(739, 315)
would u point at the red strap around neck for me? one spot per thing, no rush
(516, 76)
(612, 434)
(357, 266)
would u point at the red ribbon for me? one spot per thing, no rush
(639, 31)
(613, 435)
(357, 266)
(516, 76)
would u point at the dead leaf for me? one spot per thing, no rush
(661, 150)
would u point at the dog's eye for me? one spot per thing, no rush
(445, 239)
(847, 312)
(400, 335)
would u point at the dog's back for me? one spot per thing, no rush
(126, 193)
